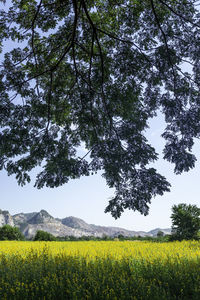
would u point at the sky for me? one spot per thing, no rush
(87, 198)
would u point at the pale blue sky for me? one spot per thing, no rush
(87, 198)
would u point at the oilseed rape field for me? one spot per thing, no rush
(100, 270)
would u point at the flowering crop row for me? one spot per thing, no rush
(100, 270)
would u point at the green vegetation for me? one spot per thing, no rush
(8, 232)
(154, 272)
(120, 237)
(44, 236)
(94, 73)
(185, 222)
(160, 233)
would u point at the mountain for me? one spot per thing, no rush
(29, 223)
(42, 217)
(155, 231)
(95, 230)
(76, 223)
(6, 218)
(43, 221)
(23, 218)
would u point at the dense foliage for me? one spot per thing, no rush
(44, 236)
(8, 232)
(100, 270)
(185, 222)
(120, 237)
(92, 73)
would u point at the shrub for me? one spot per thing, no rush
(8, 232)
(44, 236)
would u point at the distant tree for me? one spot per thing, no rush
(72, 238)
(44, 236)
(105, 237)
(84, 238)
(160, 233)
(121, 237)
(8, 232)
(185, 222)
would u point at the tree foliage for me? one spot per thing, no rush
(93, 73)
(8, 232)
(160, 233)
(44, 236)
(185, 222)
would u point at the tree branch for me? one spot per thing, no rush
(178, 14)
(165, 41)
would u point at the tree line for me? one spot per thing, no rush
(185, 226)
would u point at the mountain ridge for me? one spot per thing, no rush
(29, 223)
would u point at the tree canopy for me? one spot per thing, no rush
(93, 73)
(185, 222)
(44, 236)
(8, 232)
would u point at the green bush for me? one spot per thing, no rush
(8, 232)
(44, 236)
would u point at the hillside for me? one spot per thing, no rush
(29, 223)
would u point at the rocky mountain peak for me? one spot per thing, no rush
(6, 218)
(75, 223)
(23, 217)
(41, 217)
(29, 223)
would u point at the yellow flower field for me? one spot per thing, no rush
(100, 270)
